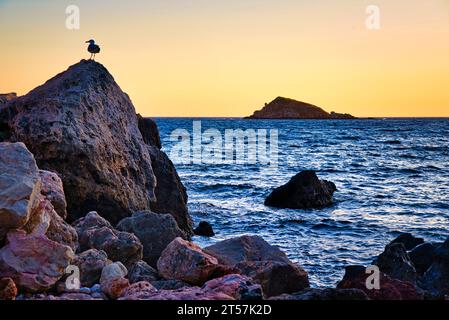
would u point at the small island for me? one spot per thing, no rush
(285, 108)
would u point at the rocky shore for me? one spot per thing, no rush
(92, 209)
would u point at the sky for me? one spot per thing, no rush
(226, 58)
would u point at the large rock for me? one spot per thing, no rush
(303, 191)
(96, 233)
(113, 281)
(91, 264)
(266, 264)
(395, 262)
(185, 261)
(204, 229)
(328, 294)
(83, 126)
(150, 132)
(8, 289)
(236, 286)
(422, 257)
(408, 240)
(171, 195)
(34, 262)
(141, 271)
(137, 290)
(53, 191)
(155, 232)
(390, 289)
(20, 186)
(436, 278)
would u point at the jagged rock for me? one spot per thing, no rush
(266, 264)
(113, 271)
(91, 264)
(96, 233)
(150, 133)
(8, 289)
(236, 286)
(154, 230)
(141, 271)
(137, 290)
(284, 108)
(53, 191)
(83, 126)
(34, 262)
(327, 294)
(20, 186)
(422, 257)
(408, 240)
(436, 278)
(303, 191)
(395, 262)
(171, 195)
(204, 229)
(113, 281)
(390, 289)
(185, 261)
(6, 97)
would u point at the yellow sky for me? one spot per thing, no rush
(227, 58)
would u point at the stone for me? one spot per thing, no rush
(8, 289)
(91, 264)
(53, 190)
(137, 290)
(20, 186)
(113, 281)
(422, 257)
(171, 195)
(390, 289)
(408, 240)
(185, 261)
(96, 232)
(184, 294)
(236, 286)
(327, 294)
(150, 132)
(141, 271)
(436, 278)
(155, 231)
(113, 271)
(303, 191)
(204, 229)
(395, 262)
(34, 262)
(169, 284)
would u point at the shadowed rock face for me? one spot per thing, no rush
(83, 126)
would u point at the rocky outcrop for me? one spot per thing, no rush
(422, 257)
(20, 186)
(408, 240)
(395, 262)
(284, 108)
(436, 277)
(150, 132)
(155, 232)
(204, 229)
(34, 262)
(83, 126)
(185, 261)
(91, 264)
(6, 97)
(303, 191)
(266, 264)
(96, 232)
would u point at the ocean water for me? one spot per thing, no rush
(392, 176)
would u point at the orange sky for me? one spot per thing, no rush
(227, 58)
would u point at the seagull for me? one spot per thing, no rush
(93, 49)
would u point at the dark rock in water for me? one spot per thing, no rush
(284, 108)
(390, 289)
(90, 264)
(395, 262)
(408, 240)
(266, 264)
(171, 195)
(422, 257)
(204, 229)
(436, 278)
(96, 232)
(150, 133)
(303, 191)
(155, 232)
(141, 271)
(83, 126)
(324, 295)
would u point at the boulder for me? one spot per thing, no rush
(34, 262)
(204, 229)
(91, 264)
(268, 265)
(436, 278)
(113, 282)
(390, 289)
(169, 284)
(113, 271)
(20, 186)
(171, 195)
(8, 289)
(328, 294)
(53, 191)
(236, 286)
(395, 262)
(155, 231)
(141, 271)
(96, 232)
(303, 191)
(408, 240)
(185, 261)
(422, 257)
(150, 132)
(138, 290)
(83, 126)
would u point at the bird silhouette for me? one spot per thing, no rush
(93, 49)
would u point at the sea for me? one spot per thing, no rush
(392, 177)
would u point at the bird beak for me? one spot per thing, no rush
(87, 41)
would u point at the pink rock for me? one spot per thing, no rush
(34, 262)
(138, 290)
(188, 294)
(236, 286)
(115, 287)
(185, 261)
(53, 191)
(8, 289)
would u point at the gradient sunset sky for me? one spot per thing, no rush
(229, 57)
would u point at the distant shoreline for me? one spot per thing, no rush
(289, 119)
